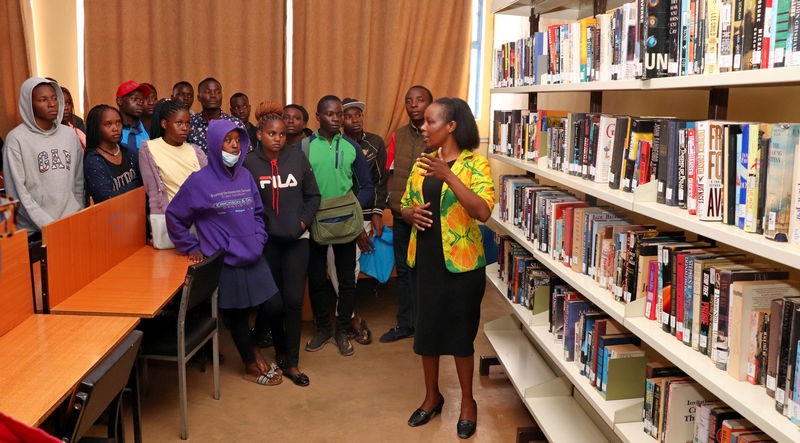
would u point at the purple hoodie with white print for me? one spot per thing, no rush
(223, 203)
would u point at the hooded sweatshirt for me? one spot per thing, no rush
(224, 206)
(43, 168)
(288, 190)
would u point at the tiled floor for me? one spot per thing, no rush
(363, 398)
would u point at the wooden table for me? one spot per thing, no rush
(44, 358)
(139, 286)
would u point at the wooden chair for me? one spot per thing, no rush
(178, 339)
(102, 391)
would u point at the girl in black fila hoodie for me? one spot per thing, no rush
(291, 198)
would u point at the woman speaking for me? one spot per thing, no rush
(448, 191)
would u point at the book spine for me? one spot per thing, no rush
(721, 315)
(657, 412)
(751, 223)
(712, 168)
(664, 295)
(738, 34)
(652, 284)
(793, 50)
(705, 312)
(731, 139)
(709, 55)
(777, 315)
(701, 171)
(726, 36)
(766, 35)
(679, 294)
(688, 300)
(781, 161)
(783, 355)
(794, 206)
(758, 34)
(683, 158)
(692, 139)
(701, 40)
(685, 37)
(782, 32)
(647, 410)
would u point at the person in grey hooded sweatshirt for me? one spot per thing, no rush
(42, 159)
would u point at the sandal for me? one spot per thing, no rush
(276, 368)
(269, 378)
(363, 334)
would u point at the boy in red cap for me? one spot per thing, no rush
(130, 100)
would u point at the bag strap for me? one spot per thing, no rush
(305, 144)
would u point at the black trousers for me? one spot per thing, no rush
(288, 261)
(269, 313)
(320, 290)
(405, 281)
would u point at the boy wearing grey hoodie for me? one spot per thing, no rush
(42, 159)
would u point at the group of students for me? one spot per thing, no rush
(217, 181)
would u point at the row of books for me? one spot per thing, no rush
(606, 354)
(650, 39)
(741, 174)
(678, 409)
(710, 298)
(528, 280)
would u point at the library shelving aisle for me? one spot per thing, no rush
(563, 402)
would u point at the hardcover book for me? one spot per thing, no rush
(749, 298)
(656, 17)
(780, 178)
(683, 397)
(621, 135)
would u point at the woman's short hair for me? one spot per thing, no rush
(466, 132)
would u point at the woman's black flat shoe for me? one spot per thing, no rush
(421, 417)
(299, 379)
(465, 428)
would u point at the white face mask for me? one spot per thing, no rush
(230, 159)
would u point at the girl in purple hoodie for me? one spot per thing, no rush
(223, 203)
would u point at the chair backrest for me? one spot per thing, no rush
(202, 280)
(102, 386)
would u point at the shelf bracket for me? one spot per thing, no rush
(718, 104)
(533, 102)
(600, 6)
(596, 101)
(530, 434)
(486, 362)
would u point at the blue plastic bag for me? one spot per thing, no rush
(379, 263)
(489, 245)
